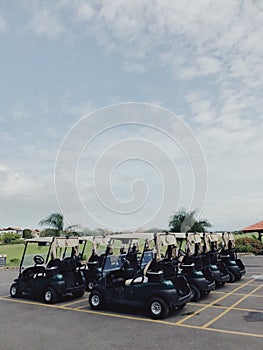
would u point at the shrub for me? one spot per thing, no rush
(249, 245)
(11, 238)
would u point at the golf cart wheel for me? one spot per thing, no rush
(195, 293)
(232, 277)
(207, 292)
(50, 296)
(14, 291)
(157, 308)
(96, 300)
(219, 284)
(91, 284)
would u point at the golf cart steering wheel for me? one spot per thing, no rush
(125, 261)
(39, 260)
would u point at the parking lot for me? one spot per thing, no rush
(229, 318)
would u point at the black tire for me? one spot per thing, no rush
(90, 285)
(157, 308)
(96, 301)
(50, 296)
(232, 277)
(196, 294)
(219, 284)
(14, 291)
(238, 278)
(203, 294)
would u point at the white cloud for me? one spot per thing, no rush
(133, 67)
(46, 24)
(3, 25)
(17, 184)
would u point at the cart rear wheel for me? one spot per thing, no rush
(232, 277)
(219, 284)
(91, 284)
(14, 291)
(195, 293)
(157, 308)
(50, 296)
(96, 300)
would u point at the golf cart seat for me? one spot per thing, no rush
(51, 271)
(93, 265)
(142, 276)
(54, 263)
(155, 276)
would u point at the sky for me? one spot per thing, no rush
(119, 113)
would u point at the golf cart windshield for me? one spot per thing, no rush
(147, 256)
(36, 246)
(113, 262)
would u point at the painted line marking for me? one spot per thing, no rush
(74, 302)
(212, 303)
(226, 307)
(229, 308)
(134, 318)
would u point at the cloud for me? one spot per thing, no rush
(3, 25)
(17, 184)
(46, 24)
(133, 67)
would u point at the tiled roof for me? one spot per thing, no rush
(254, 228)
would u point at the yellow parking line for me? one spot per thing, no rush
(226, 307)
(229, 308)
(247, 310)
(34, 303)
(211, 304)
(81, 307)
(226, 331)
(133, 318)
(75, 302)
(241, 294)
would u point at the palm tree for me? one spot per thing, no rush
(184, 221)
(55, 221)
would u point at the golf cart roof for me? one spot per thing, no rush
(135, 236)
(228, 237)
(40, 240)
(56, 241)
(164, 239)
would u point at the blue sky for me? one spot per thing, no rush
(63, 60)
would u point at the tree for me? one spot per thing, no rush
(27, 233)
(10, 238)
(184, 221)
(55, 221)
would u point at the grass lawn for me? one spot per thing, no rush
(12, 251)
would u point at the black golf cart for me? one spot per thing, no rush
(201, 281)
(122, 246)
(206, 257)
(55, 273)
(228, 256)
(148, 289)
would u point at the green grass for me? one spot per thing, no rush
(14, 252)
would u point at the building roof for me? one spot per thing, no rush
(254, 228)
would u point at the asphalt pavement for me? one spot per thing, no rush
(229, 318)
